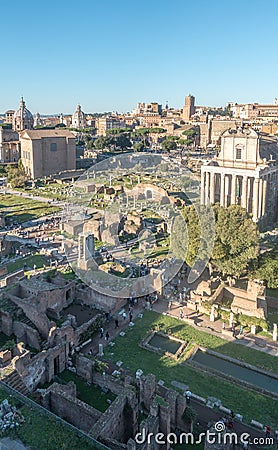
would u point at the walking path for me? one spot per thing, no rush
(206, 415)
(202, 321)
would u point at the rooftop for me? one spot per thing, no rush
(39, 134)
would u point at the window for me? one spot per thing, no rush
(238, 153)
(53, 146)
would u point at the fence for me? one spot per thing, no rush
(41, 410)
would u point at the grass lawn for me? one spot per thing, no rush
(241, 400)
(90, 394)
(53, 190)
(29, 261)
(21, 209)
(42, 431)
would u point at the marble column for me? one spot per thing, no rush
(244, 192)
(207, 188)
(227, 188)
(203, 175)
(255, 199)
(212, 188)
(264, 196)
(260, 198)
(222, 189)
(233, 190)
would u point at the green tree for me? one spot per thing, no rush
(16, 175)
(237, 240)
(138, 146)
(266, 268)
(169, 144)
(122, 141)
(189, 133)
(103, 142)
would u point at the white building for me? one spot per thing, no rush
(244, 173)
(78, 118)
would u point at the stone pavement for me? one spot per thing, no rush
(201, 321)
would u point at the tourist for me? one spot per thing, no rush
(241, 329)
(124, 315)
(116, 323)
(267, 431)
(107, 336)
(188, 396)
(170, 305)
(181, 314)
(224, 326)
(130, 316)
(101, 332)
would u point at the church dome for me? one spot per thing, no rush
(79, 118)
(23, 118)
(23, 112)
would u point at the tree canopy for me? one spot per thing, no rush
(16, 175)
(236, 239)
(266, 268)
(169, 144)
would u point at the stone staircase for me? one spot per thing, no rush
(14, 380)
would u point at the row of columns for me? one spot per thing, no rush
(225, 189)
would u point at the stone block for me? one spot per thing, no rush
(198, 398)
(225, 410)
(257, 424)
(239, 417)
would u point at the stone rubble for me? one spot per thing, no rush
(10, 417)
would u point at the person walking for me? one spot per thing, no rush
(267, 431)
(188, 396)
(124, 315)
(181, 314)
(116, 323)
(101, 332)
(107, 336)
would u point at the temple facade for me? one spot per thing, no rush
(244, 173)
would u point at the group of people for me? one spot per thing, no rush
(228, 421)
(117, 325)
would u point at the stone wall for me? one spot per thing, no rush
(12, 278)
(6, 323)
(43, 366)
(119, 421)
(37, 317)
(89, 296)
(26, 334)
(62, 401)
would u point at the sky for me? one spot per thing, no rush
(108, 55)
